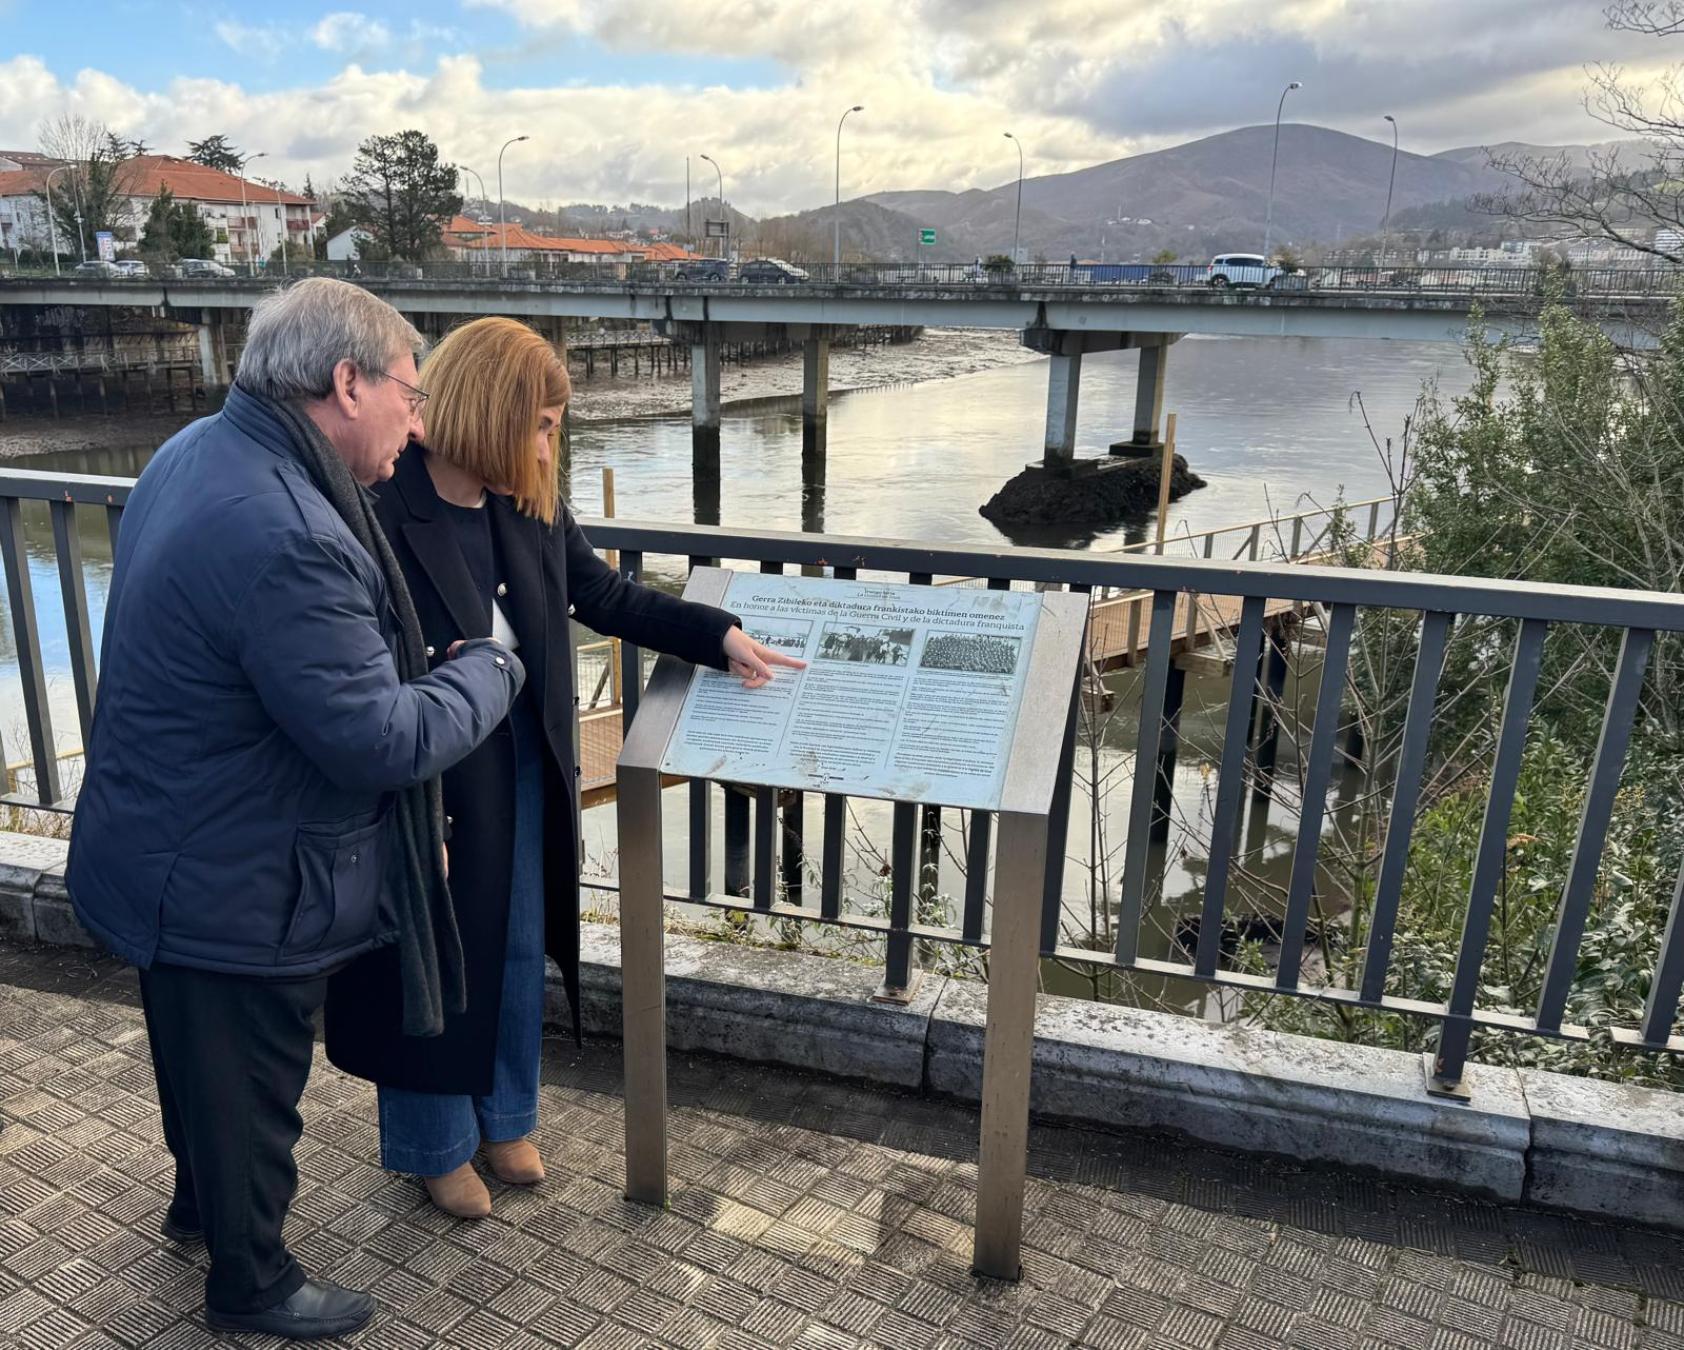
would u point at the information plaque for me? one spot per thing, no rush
(943, 695)
(911, 693)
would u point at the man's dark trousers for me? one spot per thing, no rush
(232, 1055)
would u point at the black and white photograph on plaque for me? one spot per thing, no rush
(788, 636)
(865, 642)
(974, 653)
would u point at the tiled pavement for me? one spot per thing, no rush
(805, 1213)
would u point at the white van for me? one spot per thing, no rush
(1240, 269)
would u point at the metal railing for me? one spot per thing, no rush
(1531, 284)
(1280, 537)
(764, 864)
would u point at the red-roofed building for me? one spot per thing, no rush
(247, 219)
(472, 240)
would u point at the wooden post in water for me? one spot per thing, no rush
(613, 560)
(1166, 470)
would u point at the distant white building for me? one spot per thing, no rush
(344, 246)
(247, 219)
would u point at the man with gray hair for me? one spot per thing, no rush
(261, 800)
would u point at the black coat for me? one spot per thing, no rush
(551, 573)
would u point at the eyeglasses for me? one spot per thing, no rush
(416, 396)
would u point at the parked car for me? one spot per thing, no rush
(95, 267)
(1241, 269)
(771, 272)
(703, 269)
(202, 267)
(132, 267)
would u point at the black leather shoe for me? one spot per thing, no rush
(316, 1311)
(179, 1232)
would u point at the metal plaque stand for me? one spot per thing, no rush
(1019, 881)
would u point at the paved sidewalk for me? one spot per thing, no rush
(806, 1213)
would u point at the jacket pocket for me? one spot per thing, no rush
(339, 881)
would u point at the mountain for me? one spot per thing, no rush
(1633, 153)
(1208, 194)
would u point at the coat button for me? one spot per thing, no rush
(502, 588)
(353, 859)
(571, 610)
(429, 651)
(499, 660)
(450, 820)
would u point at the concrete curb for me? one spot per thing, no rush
(1568, 1143)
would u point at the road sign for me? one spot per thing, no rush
(105, 245)
(926, 236)
(718, 229)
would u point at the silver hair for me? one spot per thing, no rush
(299, 334)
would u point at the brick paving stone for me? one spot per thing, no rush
(806, 1214)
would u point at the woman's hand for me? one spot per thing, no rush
(753, 661)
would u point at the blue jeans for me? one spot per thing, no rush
(431, 1133)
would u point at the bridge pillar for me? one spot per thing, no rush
(704, 401)
(1064, 383)
(1149, 398)
(815, 399)
(213, 352)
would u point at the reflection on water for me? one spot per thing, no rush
(1268, 423)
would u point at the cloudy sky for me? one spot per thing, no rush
(615, 93)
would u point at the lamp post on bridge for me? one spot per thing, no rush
(711, 160)
(837, 260)
(1017, 220)
(248, 222)
(460, 170)
(1269, 212)
(1386, 224)
(52, 225)
(502, 219)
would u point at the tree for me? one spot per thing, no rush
(175, 230)
(216, 152)
(1618, 197)
(402, 193)
(1164, 257)
(95, 193)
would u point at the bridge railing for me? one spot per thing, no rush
(1137, 925)
(1660, 281)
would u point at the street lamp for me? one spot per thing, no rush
(711, 160)
(245, 220)
(1017, 223)
(281, 211)
(1269, 214)
(858, 107)
(462, 169)
(502, 218)
(1386, 224)
(52, 225)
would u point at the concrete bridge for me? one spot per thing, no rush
(1065, 312)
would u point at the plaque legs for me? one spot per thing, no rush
(1013, 969)
(643, 984)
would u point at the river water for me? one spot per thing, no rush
(1271, 424)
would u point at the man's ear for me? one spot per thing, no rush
(348, 388)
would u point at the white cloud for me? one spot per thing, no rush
(264, 40)
(350, 33)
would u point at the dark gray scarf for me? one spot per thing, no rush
(429, 945)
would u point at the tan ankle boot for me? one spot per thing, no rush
(461, 1193)
(515, 1161)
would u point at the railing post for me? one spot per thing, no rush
(899, 981)
(736, 841)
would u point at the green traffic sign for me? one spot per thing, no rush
(926, 236)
